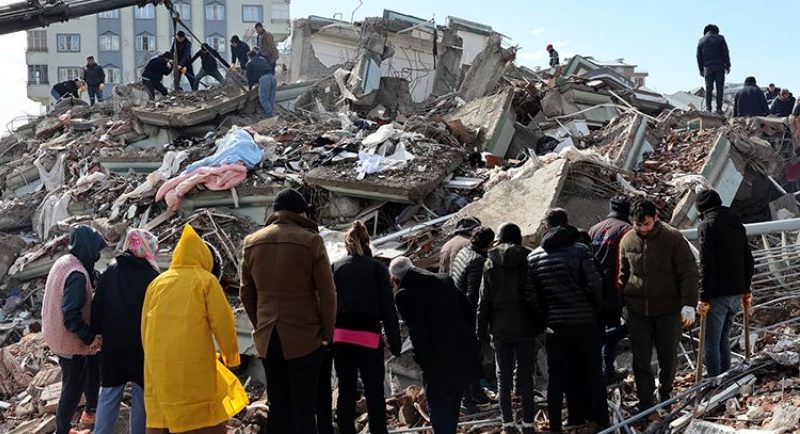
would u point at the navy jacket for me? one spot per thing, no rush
(184, 52)
(240, 54)
(155, 69)
(257, 68)
(712, 50)
(94, 75)
(750, 101)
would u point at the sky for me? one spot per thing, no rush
(659, 36)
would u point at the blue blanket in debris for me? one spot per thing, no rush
(237, 146)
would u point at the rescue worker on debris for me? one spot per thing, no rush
(66, 325)
(154, 72)
(69, 88)
(554, 60)
(364, 307)
(726, 270)
(606, 237)
(461, 238)
(505, 318)
(288, 293)
(782, 106)
(658, 277)
(772, 92)
(714, 62)
(750, 100)
(117, 316)
(208, 65)
(441, 325)
(239, 50)
(185, 311)
(563, 283)
(182, 50)
(95, 79)
(260, 71)
(467, 274)
(266, 45)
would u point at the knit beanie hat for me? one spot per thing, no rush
(706, 200)
(620, 204)
(290, 200)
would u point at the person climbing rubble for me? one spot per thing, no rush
(505, 319)
(726, 265)
(186, 388)
(117, 316)
(260, 71)
(239, 51)
(460, 239)
(66, 326)
(154, 73)
(441, 325)
(208, 65)
(658, 277)
(564, 285)
(288, 292)
(69, 88)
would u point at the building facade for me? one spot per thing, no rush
(122, 41)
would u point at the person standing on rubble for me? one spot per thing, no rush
(117, 316)
(554, 60)
(288, 292)
(69, 88)
(185, 311)
(95, 79)
(66, 325)
(782, 106)
(154, 72)
(658, 277)
(606, 237)
(239, 50)
(750, 100)
(563, 283)
(726, 271)
(506, 319)
(266, 45)
(713, 60)
(364, 303)
(182, 50)
(441, 325)
(208, 65)
(461, 238)
(261, 71)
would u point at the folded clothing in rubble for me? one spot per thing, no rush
(238, 146)
(214, 178)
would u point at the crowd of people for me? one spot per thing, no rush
(629, 275)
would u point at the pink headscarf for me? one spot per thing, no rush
(142, 244)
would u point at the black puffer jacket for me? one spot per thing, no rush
(726, 262)
(782, 107)
(94, 75)
(563, 281)
(466, 272)
(712, 50)
(502, 310)
(750, 101)
(364, 298)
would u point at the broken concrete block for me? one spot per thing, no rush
(47, 127)
(192, 108)
(486, 69)
(393, 94)
(785, 418)
(10, 247)
(495, 119)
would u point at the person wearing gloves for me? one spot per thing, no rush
(154, 72)
(364, 302)
(117, 316)
(66, 325)
(239, 50)
(69, 88)
(182, 50)
(658, 277)
(726, 270)
(95, 79)
(185, 311)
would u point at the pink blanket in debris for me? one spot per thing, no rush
(214, 178)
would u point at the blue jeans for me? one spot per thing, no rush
(718, 333)
(519, 353)
(108, 410)
(266, 93)
(55, 95)
(95, 93)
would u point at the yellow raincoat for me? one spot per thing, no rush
(183, 389)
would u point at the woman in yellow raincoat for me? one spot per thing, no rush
(185, 389)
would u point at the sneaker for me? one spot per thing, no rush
(88, 418)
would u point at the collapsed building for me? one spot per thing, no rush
(407, 126)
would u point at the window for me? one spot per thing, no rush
(148, 12)
(280, 13)
(68, 73)
(109, 42)
(145, 42)
(113, 74)
(111, 15)
(252, 14)
(68, 42)
(217, 42)
(37, 74)
(37, 40)
(184, 10)
(215, 12)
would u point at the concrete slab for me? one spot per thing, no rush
(494, 116)
(185, 114)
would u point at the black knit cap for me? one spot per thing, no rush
(620, 204)
(290, 200)
(706, 200)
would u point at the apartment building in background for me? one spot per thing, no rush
(123, 40)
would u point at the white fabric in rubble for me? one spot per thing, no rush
(53, 209)
(374, 163)
(55, 177)
(695, 182)
(384, 133)
(170, 166)
(339, 75)
(86, 182)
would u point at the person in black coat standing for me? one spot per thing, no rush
(364, 302)
(441, 325)
(182, 49)
(713, 60)
(117, 317)
(750, 101)
(726, 271)
(564, 284)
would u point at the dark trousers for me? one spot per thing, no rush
(153, 86)
(325, 393)
(511, 353)
(291, 390)
(203, 74)
(614, 331)
(715, 75)
(445, 410)
(80, 375)
(573, 361)
(352, 361)
(176, 79)
(662, 332)
(95, 93)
